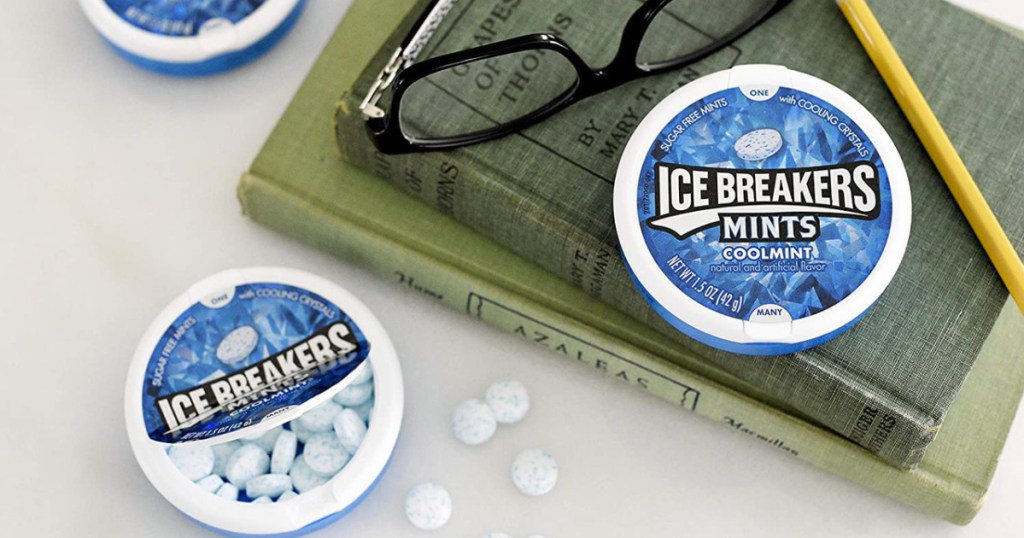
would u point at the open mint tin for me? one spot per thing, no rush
(256, 359)
(761, 210)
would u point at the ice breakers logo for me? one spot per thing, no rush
(321, 352)
(762, 205)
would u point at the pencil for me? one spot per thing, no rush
(965, 191)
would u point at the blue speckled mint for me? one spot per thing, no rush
(265, 440)
(193, 462)
(428, 506)
(228, 491)
(247, 462)
(302, 433)
(221, 454)
(320, 418)
(509, 400)
(283, 455)
(473, 422)
(365, 410)
(354, 395)
(324, 454)
(287, 496)
(350, 430)
(534, 472)
(303, 478)
(271, 485)
(210, 483)
(362, 374)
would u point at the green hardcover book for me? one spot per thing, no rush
(546, 194)
(299, 186)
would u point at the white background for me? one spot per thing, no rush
(118, 192)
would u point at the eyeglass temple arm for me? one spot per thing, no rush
(405, 55)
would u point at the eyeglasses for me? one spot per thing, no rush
(493, 90)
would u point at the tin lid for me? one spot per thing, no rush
(186, 31)
(244, 351)
(761, 210)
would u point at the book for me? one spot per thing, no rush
(552, 203)
(299, 186)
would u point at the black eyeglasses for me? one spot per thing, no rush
(490, 91)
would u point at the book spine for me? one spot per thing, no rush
(862, 413)
(273, 206)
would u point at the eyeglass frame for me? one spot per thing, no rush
(402, 71)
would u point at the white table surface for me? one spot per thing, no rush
(118, 192)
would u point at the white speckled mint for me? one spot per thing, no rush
(362, 374)
(283, 455)
(271, 485)
(228, 492)
(210, 483)
(509, 400)
(221, 454)
(365, 410)
(324, 454)
(287, 496)
(534, 472)
(262, 500)
(758, 145)
(497, 535)
(303, 478)
(237, 345)
(473, 422)
(428, 506)
(354, 395)
(193, 462)
(247, 462)
(265, 440)
(320, 418)
(301, 432)
(350, 429)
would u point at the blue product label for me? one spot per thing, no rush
(756, 209)
(182, 18)
(229, 362)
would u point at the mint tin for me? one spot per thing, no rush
(192, 37)
(238, 358)
(761, 210)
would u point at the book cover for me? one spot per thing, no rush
(552, 202)
(299, 186)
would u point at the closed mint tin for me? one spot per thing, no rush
(192, 37)
(761, 210)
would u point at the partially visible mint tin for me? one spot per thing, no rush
(192, 37)
(761, 210)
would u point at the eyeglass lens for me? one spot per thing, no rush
(684, 27)
(485, 94)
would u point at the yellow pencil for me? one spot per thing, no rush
(939, 147)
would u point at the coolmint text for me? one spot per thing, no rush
(762, 205)
(323, 350)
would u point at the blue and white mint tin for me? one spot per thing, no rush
(192, 37)
(264, 402)
(761, 210)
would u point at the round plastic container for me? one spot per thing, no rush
(192, 37)
(186, 352)
(761, 210)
